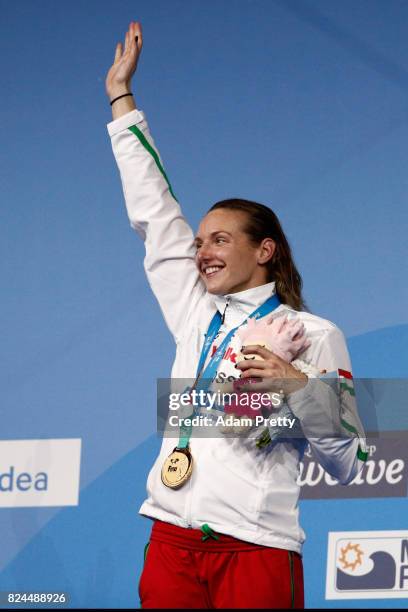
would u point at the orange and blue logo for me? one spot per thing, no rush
(367, 565)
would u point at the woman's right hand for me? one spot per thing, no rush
(120, 74)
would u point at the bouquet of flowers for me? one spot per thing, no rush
(285, 338)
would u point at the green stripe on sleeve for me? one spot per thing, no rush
(139, 134)
(348, 388)
(362, 455)
(349, 427)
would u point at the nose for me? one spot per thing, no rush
(204, 252)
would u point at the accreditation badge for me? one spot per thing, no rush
(177, 468)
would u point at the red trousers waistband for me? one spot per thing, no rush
(198, 539)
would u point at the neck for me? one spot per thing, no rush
(251, 284)
(235, 306)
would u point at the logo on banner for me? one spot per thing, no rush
(367, 565)
(384, 473)
(39, 472)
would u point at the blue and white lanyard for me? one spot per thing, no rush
(210, 371)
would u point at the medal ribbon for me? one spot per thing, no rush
(211, 370)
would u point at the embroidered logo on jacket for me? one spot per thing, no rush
(229, 353)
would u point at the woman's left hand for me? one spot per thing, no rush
(274, 373)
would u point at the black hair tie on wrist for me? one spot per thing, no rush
(119, 97)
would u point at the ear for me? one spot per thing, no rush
(266, 250)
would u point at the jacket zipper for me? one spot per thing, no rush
(225, 309)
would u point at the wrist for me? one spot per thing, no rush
(118, 98)
(118, 90)
(306, 368)
(123, 105)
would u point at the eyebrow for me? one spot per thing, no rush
(198, 239)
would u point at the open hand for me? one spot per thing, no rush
(120, 74)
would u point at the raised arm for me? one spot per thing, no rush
(151, 205)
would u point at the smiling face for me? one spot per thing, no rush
(227, 260)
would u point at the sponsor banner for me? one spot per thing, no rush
(367, 565)
(384, 473)
(39, 472)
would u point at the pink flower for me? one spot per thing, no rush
(286, 339)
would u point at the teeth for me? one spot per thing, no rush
(212, 269)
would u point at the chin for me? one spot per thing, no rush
(215, 288)
(218, 289)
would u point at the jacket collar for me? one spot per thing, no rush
(237, 306)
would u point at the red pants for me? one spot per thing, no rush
(183, 571)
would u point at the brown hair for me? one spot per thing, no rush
(263, 223)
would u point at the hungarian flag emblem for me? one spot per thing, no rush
(347, 383)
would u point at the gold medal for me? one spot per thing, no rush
(177, 468)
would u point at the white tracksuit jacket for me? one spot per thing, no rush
(236, 488)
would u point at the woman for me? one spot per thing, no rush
(225, 509)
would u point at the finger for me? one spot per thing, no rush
(301, 337)
(126, 41)
(253, 374)
(255, 364)
(281, 323)
(300, 334)
(297, 327)
(132, 32)
(139, 34)
(260, 375)
(271, 384)
(135, 36)
(258, 350)
(297, 343)
(301, 341)
(118, 52)
(305, 345)
(295, 349)
(132, 42)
